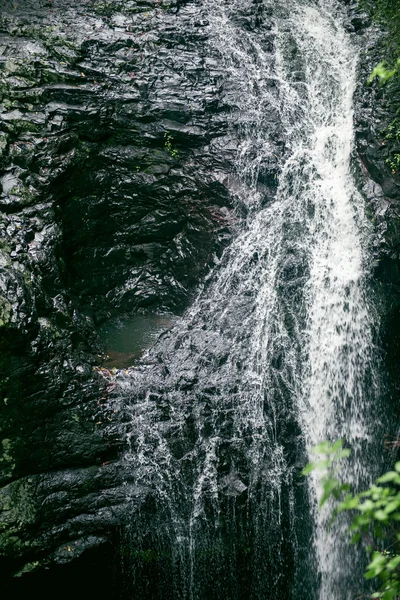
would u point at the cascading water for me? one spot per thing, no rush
(275, 355)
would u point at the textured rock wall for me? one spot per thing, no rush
(114, 168)
(376, 107)
(117, 138)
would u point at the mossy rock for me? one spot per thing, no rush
(3, 143)
(6, 313)
(7, 464)
(17, 511)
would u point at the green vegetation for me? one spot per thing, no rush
(394, 162)
(383, 73)
(386, 12)
(392, 134)
(168, 144)
(375, 515)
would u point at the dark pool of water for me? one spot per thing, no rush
(127, 338)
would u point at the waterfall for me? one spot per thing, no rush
(276, 353)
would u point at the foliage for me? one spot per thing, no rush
(375, 515)
(328, 466)
(383, 73)
(394, 162)
(168, 144)
(387, 13)
(393, 131)
(392, 134)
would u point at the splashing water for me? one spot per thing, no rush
(276, 354)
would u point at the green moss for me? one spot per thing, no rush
(8, 104)
(28, 568)
(25, 195)
(393, 162)
(108, 8)
(390, 137)
(11, 66)
(3, 143)
(17, 512)
(105, 9)
(6, 457)
(18, 126)
(16, 500)
(9, 543)
(20, 69)
(6, 312)
(4, 245)
(168, 144)
(387, 13)
(393, 131)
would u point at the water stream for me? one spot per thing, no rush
(276, 354)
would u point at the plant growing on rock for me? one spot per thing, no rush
(168, 144)
(387, 13)
(394, 163)
(383, 73)
(375, 515)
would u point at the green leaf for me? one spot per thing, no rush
(345, 453)
(337, 445)
(380, 515)
(365, 494)
(393, 563)
(381, 72)
(308, 469)
(392, 506)
(349, 503)
(389, 476)
(329, 486)
(356, 538)
(377, 559)
(362, 520)
(367, 506)
(322, 448)
(321, 465)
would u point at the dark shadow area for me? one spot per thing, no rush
(94, 575)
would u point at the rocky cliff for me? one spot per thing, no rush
(117, 136)
(114, 166)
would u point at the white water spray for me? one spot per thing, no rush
(284, 324)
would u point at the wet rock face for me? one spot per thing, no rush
(117, 139)
(375, 109)
(115, 154)
(113, 115)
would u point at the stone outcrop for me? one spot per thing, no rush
(114, 163)
(378, 173)
(117, 139)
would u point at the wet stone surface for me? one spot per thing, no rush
(117, 138)
(375, 108)
(115, 147)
